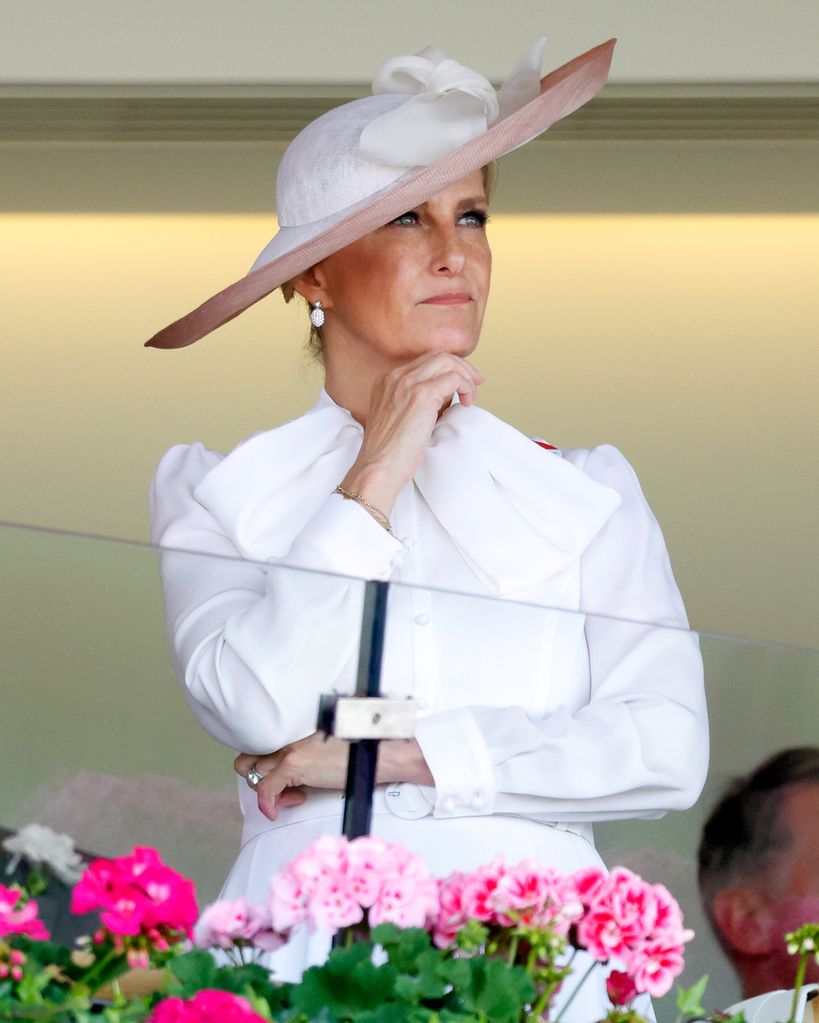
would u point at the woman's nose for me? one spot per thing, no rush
(449, 255)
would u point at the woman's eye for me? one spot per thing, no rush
(405, 218)
(475, 218)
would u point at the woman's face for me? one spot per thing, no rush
(419, 284)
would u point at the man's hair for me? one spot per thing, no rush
(744, 836)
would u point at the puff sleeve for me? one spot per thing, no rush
(639, 746)
(255, 644)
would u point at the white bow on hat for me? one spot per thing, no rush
(451, 104)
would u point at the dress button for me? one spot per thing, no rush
(422, 619)
(447, 804)
(477, 802)
(407, 542)
(421, 703)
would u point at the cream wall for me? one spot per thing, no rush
(686, 338)
(286, 40)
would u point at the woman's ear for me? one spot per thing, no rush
(312, 286)
(744, 918)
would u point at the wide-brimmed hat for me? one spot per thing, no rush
(430, 122)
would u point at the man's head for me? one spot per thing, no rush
(759, 867)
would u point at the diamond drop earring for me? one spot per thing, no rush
(317, 315)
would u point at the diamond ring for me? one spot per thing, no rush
(253, 776)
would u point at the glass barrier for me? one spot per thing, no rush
(97, 739)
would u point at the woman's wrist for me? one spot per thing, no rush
(373, 484)
(402, 760)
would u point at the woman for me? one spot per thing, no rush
(538, 713)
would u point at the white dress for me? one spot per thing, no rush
(539, 713)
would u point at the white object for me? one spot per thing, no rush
(774, 1006)
(39, 845)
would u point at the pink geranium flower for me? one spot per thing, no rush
(369, 859)
(332, 904)
(588, 883)
(654, 967)
(19, 915)
(480, 891)
(636, 922)
(208, 1006)
(288, 900)
(137, 895)
(236, 922)
(451, 914)
(334, 883)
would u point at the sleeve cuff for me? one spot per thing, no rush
(344, 538)
(462, 771)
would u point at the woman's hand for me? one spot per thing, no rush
(404, 407)
(321, 762)
(316, 762)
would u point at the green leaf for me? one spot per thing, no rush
(493, 990)
(392, 1012)
(429, 983)
(689, 1000)
(404, 948)
(349, 986)
(386, 935)
(194, 970)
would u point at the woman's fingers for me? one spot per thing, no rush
(437, 372)
(312, 762)
(248, 765)
(292, 796)
(404, 408)
(243, 763)
(270, 801)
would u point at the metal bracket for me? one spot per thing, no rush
(366, 717)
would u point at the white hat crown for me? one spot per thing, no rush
(323, 171)
(423, 106)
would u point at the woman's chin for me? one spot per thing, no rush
(456, 339)
(453, 343)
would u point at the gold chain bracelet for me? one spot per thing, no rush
(379, 516)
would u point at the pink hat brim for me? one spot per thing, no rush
(561, 93)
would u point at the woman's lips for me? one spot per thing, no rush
(453, 298)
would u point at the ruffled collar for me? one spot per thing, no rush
(517, 514)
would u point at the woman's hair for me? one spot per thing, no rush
(315, 342)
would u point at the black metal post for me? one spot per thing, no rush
(358, 795)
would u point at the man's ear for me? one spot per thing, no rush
(743, 917)
(312, 285)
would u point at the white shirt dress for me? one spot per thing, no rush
(555, 679)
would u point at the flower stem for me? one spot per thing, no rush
(90, 979)
(797, 987)
(543, 1003)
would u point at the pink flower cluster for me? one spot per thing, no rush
(208, 1006)
(18, 915)
(527, 894)
(232, 922)
(333, 882)
(137, 895)
(640, 924)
